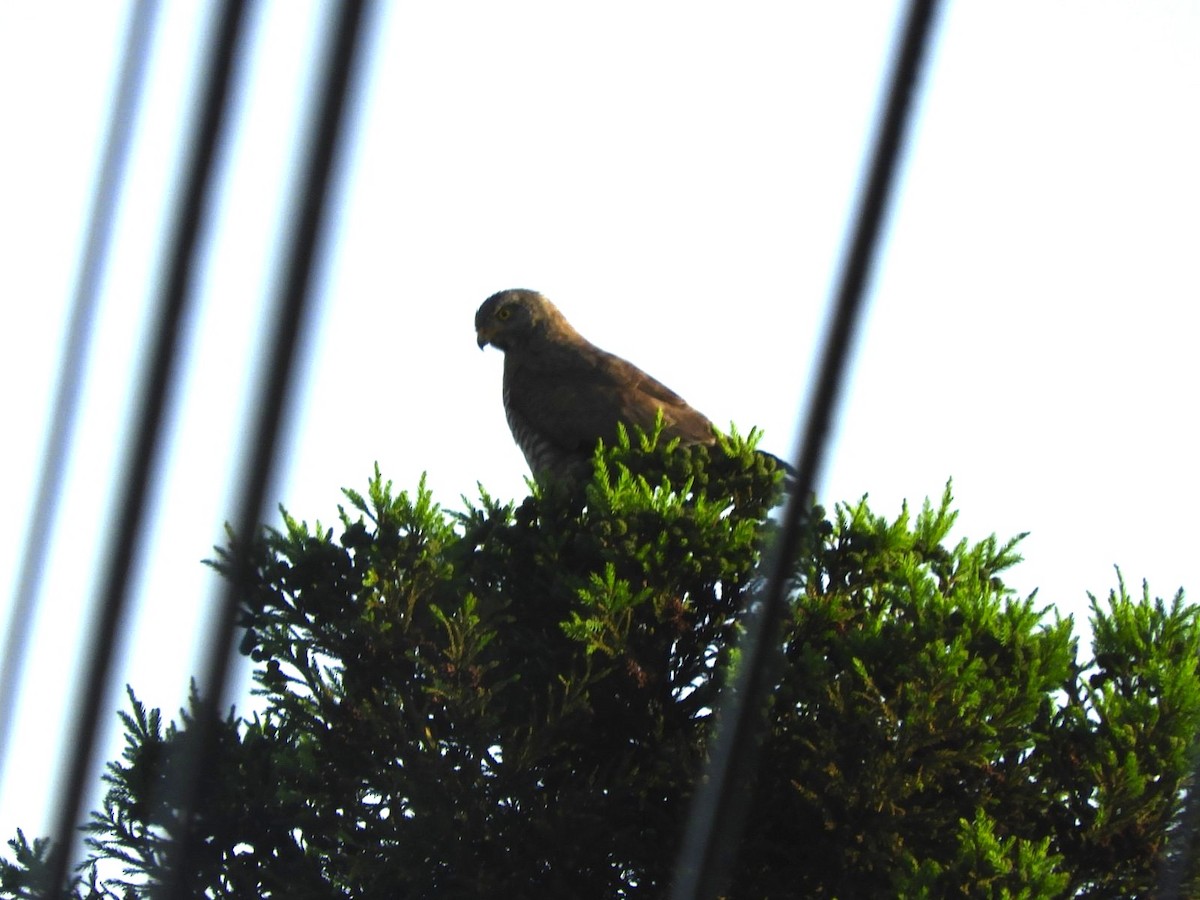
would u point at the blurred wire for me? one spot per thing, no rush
(290, 320)
(76, 351)
(1181, 839)
(718, 810)
(142, 455)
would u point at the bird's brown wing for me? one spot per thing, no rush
(574, 396)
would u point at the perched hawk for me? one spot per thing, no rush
(562, 393)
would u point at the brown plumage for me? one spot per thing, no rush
(562, 393)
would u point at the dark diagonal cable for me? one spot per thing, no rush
(718, 811)
(76, 348)
(142, 455)
(290, 318)
(1179, 852)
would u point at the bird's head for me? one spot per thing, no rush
(515, 317)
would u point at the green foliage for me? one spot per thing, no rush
(1124, 731)
(987, 866)
(515, 701)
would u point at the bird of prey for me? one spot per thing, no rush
(562, 393)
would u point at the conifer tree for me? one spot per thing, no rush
(516, 701)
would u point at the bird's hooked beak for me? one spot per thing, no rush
(483, 336)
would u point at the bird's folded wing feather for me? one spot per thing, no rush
(575, 400)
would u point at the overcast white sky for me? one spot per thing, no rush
(677, 177)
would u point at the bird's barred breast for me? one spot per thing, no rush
(540, 454)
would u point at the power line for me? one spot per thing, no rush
(292, 312)
(142, 456)
(718, 810)
(76, 351)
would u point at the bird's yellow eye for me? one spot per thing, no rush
(504, 312)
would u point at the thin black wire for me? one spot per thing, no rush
(76, 351)
(1177, 855)
(718, 811)
(141, 459)
(292, 313)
